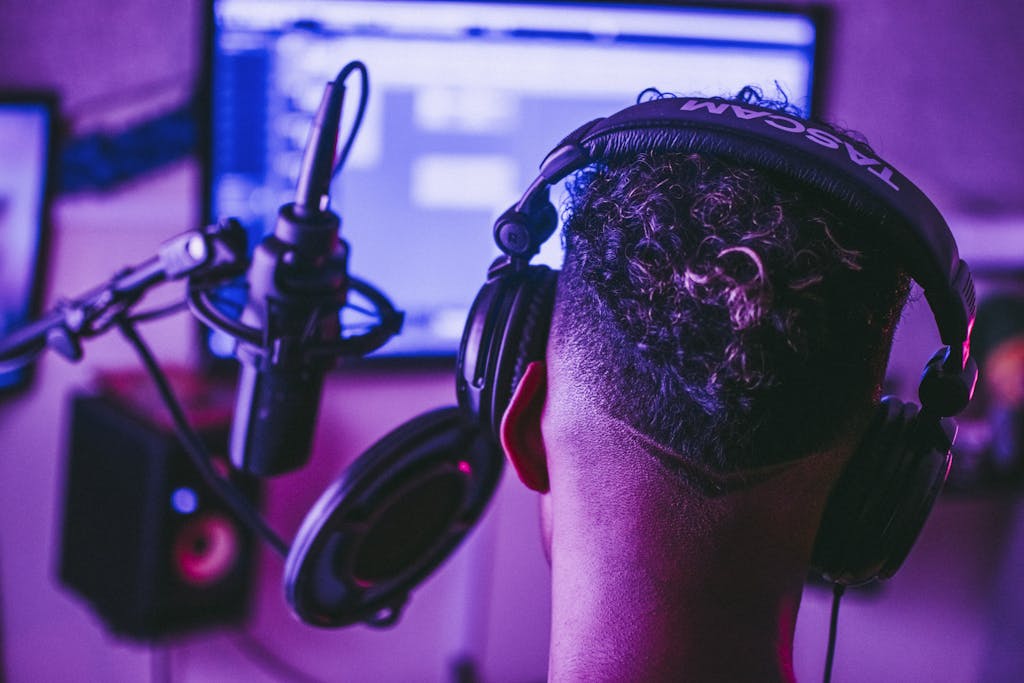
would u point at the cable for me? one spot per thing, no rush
(837, 593)
(364, 94)
(194, 447)
(162, 312)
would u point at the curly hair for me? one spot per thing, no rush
(723, 311)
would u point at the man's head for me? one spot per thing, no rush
(725, 312)
(733, 319)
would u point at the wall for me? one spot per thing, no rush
(933, 84)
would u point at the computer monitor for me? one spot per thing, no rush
(27, 126)
(465, 100)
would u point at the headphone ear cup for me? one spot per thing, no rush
(507, 329)
(881, 500)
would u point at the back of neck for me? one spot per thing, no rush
(654, 583)
(617, 618)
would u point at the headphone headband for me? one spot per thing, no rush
(811, 153)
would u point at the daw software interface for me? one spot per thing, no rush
(465, 100)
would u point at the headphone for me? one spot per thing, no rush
(352, 561)
(882, 498)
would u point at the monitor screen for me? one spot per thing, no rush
(26, 142)
(465, 100)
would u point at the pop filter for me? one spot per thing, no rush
(390, 520)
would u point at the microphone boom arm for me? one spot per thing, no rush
(212, 253)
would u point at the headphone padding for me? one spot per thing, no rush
(880, 502)
(926, 465)
(521, 340)
(846, 549)
(506, 331)
(533, 334)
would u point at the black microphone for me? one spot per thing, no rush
(298, 283)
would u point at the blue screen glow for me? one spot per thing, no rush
(465, 100)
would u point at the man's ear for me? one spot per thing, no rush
(520, 428)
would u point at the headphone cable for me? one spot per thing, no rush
(837, 593)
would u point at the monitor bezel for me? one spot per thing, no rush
(50, 101)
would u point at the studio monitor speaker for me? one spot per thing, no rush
(143, 539)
